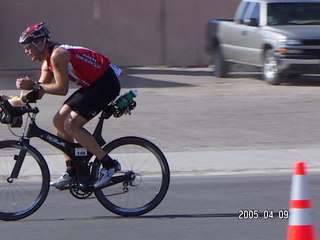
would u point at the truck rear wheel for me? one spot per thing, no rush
(271, 73)
(221, 66)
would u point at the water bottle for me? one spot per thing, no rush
(124, 100)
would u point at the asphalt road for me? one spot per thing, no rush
(205, 207)
(193, 116)
(199, 112)
(192, 113)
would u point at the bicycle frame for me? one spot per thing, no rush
(74, 150)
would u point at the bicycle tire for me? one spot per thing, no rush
(26, 193)
(152, 178)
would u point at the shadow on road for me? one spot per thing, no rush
(206, 215)
(165, 216)
(140, 82)
(171, 71)
(303, 81)
(127, 81)
(291, 80)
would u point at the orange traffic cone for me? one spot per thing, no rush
(300, 220)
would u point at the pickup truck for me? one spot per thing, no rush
(282, 37)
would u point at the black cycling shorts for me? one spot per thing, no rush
(89, 101)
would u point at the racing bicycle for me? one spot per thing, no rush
(136, 189)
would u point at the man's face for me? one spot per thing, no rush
(32, 51)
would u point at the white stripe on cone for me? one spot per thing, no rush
(299, 188)
(300, 217)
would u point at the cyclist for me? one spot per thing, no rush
(99, 85)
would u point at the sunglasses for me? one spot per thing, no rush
(27, 46)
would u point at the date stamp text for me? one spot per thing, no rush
(252, 214)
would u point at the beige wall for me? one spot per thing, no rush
(130, 32)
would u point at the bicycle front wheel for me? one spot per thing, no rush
(150, 183)
(23, 195)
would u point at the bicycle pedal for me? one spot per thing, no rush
(85, 188)
(62, 188)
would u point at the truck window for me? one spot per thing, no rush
(256, 12)
(242, 11)
(252, 16)
(296, 13)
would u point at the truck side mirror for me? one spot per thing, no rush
(251, 22)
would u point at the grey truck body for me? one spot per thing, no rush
(280, 36)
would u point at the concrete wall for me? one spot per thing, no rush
(130, 32)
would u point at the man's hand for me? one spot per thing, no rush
(24, 83)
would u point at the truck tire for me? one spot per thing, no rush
(271, 73)
(221, 66)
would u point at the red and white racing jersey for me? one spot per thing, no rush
(85, 65)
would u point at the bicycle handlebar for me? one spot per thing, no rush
(13, 115)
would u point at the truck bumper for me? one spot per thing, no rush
(299, 65)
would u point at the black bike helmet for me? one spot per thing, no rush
(33, 32)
